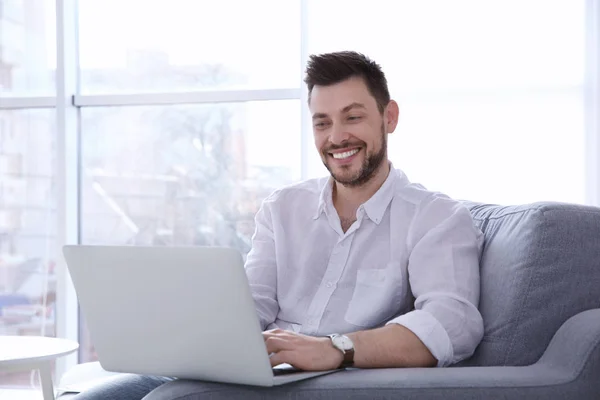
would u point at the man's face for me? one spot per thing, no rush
(349, 131)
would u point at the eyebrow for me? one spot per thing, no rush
(344, 110)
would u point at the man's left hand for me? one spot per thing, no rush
(303, 352)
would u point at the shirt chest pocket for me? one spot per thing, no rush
(376, 297)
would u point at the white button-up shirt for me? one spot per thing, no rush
(411, 258)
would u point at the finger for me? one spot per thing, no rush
(275, 344)
(276, 333)
(272, 332)
(285, 356)
(267, 335)
(276, 330)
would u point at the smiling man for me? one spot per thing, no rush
(362, 268)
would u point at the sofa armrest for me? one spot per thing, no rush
(575, 346)
(568, 369)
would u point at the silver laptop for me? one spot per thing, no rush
(182, 312)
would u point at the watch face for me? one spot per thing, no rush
(343, 342)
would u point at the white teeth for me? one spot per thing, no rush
(345, 154)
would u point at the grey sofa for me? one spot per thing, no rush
(540, 301)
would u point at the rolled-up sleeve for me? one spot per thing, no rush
(261, 266)
(443, 270)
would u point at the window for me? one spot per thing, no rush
(181, 45)
(184, 174)
(28, 220)
(27, 226)
(27, 47)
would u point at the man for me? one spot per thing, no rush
(363, 268)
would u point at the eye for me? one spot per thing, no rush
(354, 118)
(320, 125)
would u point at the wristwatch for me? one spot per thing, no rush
(344, 344)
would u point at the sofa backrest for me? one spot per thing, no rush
(540, 265)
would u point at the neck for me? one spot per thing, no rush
(353, 197)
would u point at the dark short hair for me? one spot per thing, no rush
(331, 68)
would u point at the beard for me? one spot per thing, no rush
(367, 170)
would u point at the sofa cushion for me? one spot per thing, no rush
(540, 265)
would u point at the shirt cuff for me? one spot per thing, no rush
(430, 332)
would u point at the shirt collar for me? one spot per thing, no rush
(325, 198)
(374, 207)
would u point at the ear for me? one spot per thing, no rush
(391, 114)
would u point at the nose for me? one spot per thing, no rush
(338, 135)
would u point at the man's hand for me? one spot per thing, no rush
(303, 352)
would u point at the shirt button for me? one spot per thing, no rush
(329, 284)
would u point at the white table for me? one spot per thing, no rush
(18, 353)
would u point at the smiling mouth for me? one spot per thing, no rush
(345, 154)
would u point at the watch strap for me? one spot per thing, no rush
(348, 359)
